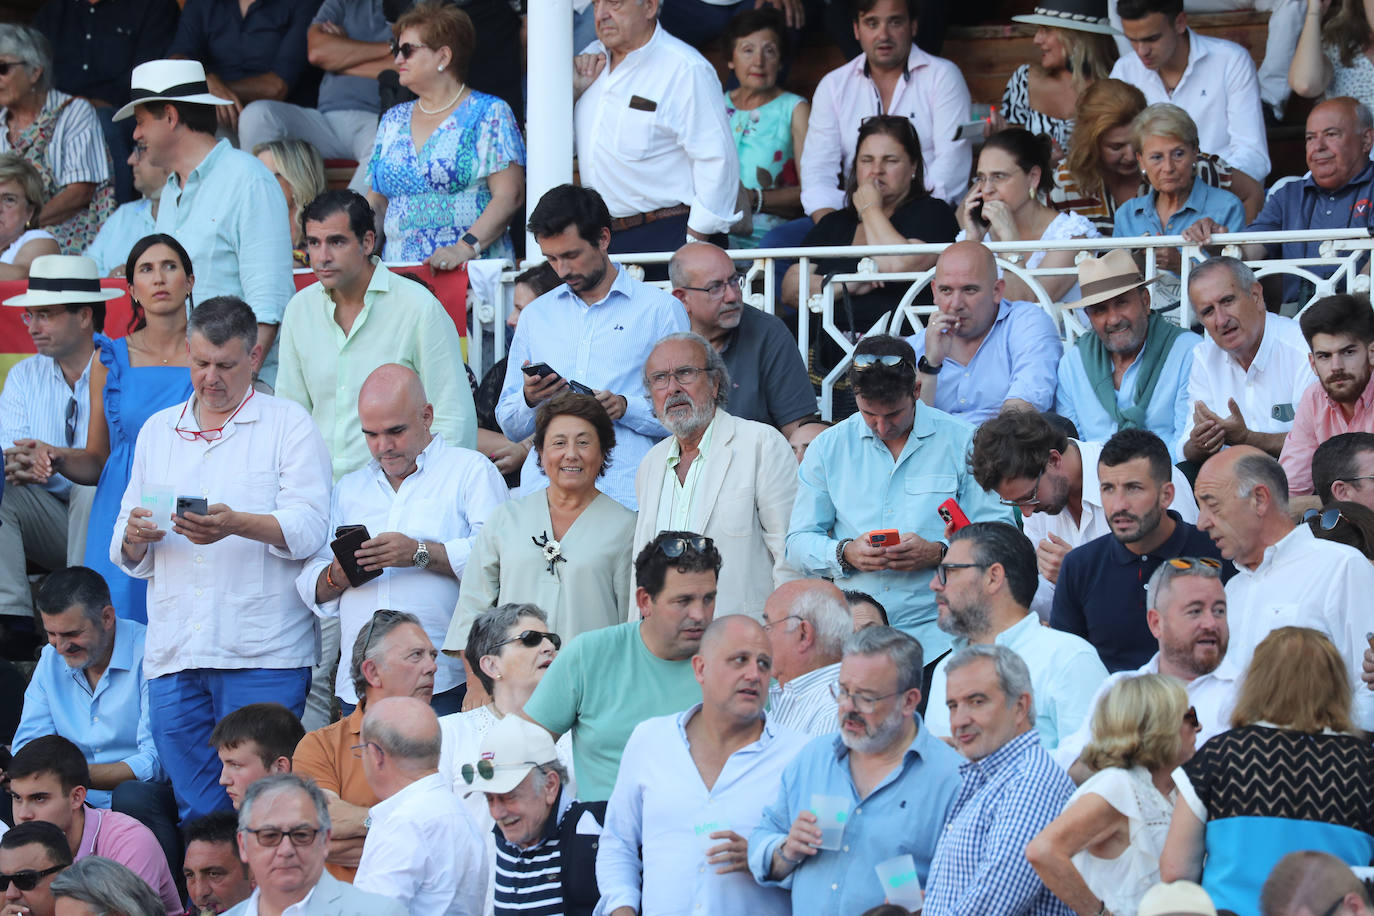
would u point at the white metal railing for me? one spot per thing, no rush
(1343, 252)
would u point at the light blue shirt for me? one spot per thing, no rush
(1170, 414)
(901, 816)
(603, 346)
(109, 724)
(848, 485)
(1065, 675)
(1138, 215)
(128, 224)
(1015, 360)
(231, 219)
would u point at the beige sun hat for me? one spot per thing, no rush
(1100, 279)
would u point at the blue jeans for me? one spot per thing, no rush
(183, 708)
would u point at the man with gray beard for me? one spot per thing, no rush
(730, 479)
(885, 786)
(983, 590)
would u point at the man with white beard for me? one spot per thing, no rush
(730, 479)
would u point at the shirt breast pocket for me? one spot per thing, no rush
(636, 132)
(924, 493)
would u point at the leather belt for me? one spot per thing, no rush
(634, 220)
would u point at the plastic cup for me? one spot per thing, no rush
(704, 829)
(901, 884)
(161, 500)
(832, 811)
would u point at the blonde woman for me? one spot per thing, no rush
(1102, 853)
(299, 170)
(21, 198)
(1332, 57)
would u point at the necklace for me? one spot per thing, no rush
(453, 101)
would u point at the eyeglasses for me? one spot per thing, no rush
(675, 547)
(869, 360)
(718, 288)
(991, 178)
(357, 749)
(271, 836)
(5, 67)
(485, 769)
(860, 701)
(1326, 518)
(405, 50)
(27, 879)
(1190, 718)
(1193, 562)
(683, 375)
(43, 315)
(1032, 500)
(531, 638)
(1334, 908)
(209, 435)
(769, 626)
(942, 571)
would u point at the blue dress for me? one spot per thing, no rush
(434, 194)
(132, 395)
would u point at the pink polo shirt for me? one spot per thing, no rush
(1318, 418)
(125, 840)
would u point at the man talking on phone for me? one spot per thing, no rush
(225, 626)
(885, 471)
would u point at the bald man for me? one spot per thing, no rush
(421, 503)
(692, 787)
(423, 848)
(807, 621)
(981, 352)
(1285, 576)
(1311, 883)
(768, 378)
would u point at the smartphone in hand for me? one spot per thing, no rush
(952, 515)
(194, 504)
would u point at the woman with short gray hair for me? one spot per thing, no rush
(107, 888)
(59, 135)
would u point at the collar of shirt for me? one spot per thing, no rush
(1197, 51)
(380, 283)
(1193, 204)
(766, 737)
(1365, 176)
(385, 808)
(619, 286)
(1003, 310)
(246, 411)
(703, 447)
(825, 674)
(914, 59)
(197, 174)
(292, 910)
(917, 750)
(1265, 352)
(1294, 541)
(90, 830)
(921, 427)
(993, 763)
(121, 659)
(1173, 547)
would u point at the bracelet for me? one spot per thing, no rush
(846, 567)
(782, 855)
(758, 203)
(330, 579)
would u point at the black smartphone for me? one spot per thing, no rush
(540, 369)
(579, 387)
(347, 539)
(194, 504)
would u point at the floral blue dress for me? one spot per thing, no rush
(436, 193)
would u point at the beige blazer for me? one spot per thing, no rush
(746, 491)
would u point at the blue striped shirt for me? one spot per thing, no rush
(980, 867)
(529, 881)
(34, 404)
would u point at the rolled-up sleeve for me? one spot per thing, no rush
(132, 496)
(482, 493)
(303, 477)
(512, 413)
(710, 145)
(810, 539)
(774, 823)
(1249, 146)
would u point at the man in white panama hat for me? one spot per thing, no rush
(1131, 371)
(46, 397)
(222, 204)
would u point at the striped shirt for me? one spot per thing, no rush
(529, 882)
(805, 703)
(34, 405)
(77, 150)
(1068, 194)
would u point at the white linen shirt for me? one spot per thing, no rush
(651, 858)
(423, 850)
(447, 500)
(1092, 522)
(932, 96)
(1276, 379)
(230, 604)
(1304, 582)
(652, 133)
(1212, 696)
(1220, 89)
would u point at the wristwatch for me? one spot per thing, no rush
(924, 367)
(474, 243)
(421, 558)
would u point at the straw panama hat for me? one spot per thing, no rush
(62, 279)
(1078, 15)
(1107, 277)
(1181, 898)
(168, 81)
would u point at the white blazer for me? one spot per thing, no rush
(745, 503)
(333, 897)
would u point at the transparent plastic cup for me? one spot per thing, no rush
(901, 884)
(832, 811)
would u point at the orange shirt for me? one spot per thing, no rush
(326, 756)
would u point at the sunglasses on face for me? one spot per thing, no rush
(27, 879)
(531, 638)
(675, 547)
(5, 67)
(405, 50)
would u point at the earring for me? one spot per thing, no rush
(1032, 193)
(441, 68)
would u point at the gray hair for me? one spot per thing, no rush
(715, 365)
(108, 888)
(1157, 589)
(277, 783)
(422, 750)
(30, 46)
(368, 644)
(1262, 470)
(1243, 275)
(221, 319)
(904, 650)
(489, 631)
(1013, 677)
(829, 616)
(1163, 120)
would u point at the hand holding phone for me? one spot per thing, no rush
(953, 517)
(883, 537)
(541, 382)
(194, 504)
(347, 540)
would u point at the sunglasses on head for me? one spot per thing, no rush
(485, 769)
(1193, 562)
(869, 360)
(27, 879)
(405, 50)
(1326, 518)
(531, 638)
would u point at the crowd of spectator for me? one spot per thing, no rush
(1031, 624)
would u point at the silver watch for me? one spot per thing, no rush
(421, 558)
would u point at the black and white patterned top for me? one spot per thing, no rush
(1016, 109)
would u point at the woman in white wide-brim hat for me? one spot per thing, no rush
(1076, 49)
(59, 135)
